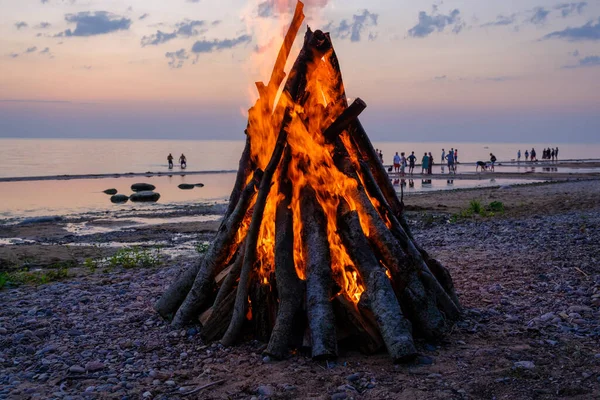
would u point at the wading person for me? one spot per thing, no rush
(450, 158)
(492, 161)
(424, 163)
(430, 166)
(170, 160)
(182, 161)
(411, 162)
(402, 164)
(397, 162)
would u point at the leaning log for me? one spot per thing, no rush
(289, 287)
(342, 122)
(232, 276)
(395, 329)
(172, 298)
(319, 279)
(363, 334)
(216, 257)
(241, 300)
(217, 323)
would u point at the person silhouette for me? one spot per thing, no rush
(170, 160)
(182, 161)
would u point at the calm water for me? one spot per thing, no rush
(43, 157)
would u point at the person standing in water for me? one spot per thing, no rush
(519, 156)
(170, 160)
(182, 161)
(411, 162)
(443, 156)
(424, 164)
(430, 166)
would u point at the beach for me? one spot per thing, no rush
(528, 279)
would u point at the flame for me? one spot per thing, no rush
(311, 164)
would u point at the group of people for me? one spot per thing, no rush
(550, 154)
(401, 162)
(182, 161)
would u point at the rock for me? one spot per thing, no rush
(354, 377)
(265, 390)
(170, 383)
(424, 360)
(142, 187)
(41, 220)
(119, 199)
(147, 395)
(94, 366)
(199, 185)
(186, 186)
(339, 396)
(77, 369)
(524, 365)
(145, 196)
(110, 191)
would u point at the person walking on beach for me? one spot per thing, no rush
(450, 158)
(552, 154)
(526, 155)
(430, 166)
(397, 162)
(424, 163)
(402, 164)
(492, 161)
(443, 156)
(533, 155)
(556, 153)
(182, 161)
(519, 156)
(170, 160)
(455, 156)
(411, 163)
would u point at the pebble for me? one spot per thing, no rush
(77, 369)
(524, 365)
(94, 366)
(265, 390)
(339, 396)
(354, 377)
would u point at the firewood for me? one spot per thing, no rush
(218, 321)
(395, 329)
(232, 276)
(289, 287)
(344, 120)
(244, 171)
(215, 258)
(319, 279)
(241, 300)
(172, 298)
(364, 333)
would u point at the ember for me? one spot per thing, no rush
(314, 247)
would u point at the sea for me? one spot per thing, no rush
(214, 163)
(49, 157)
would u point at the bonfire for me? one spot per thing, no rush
(314, 250)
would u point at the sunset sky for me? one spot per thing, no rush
(469, 70)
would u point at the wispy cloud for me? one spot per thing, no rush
(43, 25)
(177, 58)
(143, 16)
(207, 46)
(567, 9)
(272, 8)
(186, 28)
(354, 29)
(501, 20)
(540, 14)
(589, 61)
(429, 23)
(95, 23)
(21, 24)
(31, 49)
(589, 31)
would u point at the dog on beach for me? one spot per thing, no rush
(481, 164)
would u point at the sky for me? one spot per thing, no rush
(465, 70)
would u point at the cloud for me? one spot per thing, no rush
(499, 78)
(95, 23)
(186, 28)
(143, 16)
(353, 30)
(272, 8)
(567, 9)
(43, 25)
(440, 78)
(193, 1)
(157, 38)
(590, 61)
(589, 31)
(21, 24)
(501, 20)
(540, 14)
(177, 58)
(13, 55)
(205, 46)
(31, 49)
(44, 1)
(436, 22)
(45, 51)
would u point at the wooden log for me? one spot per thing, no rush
(344, 120)
(244, 170)
(241, 300)
(363, 334)
(395, 329)
(217, 323)
(319, 279)
(215, 258)
(289, 287)
(232, 276)
(262, 310)
(409, 247)
(172, 298)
